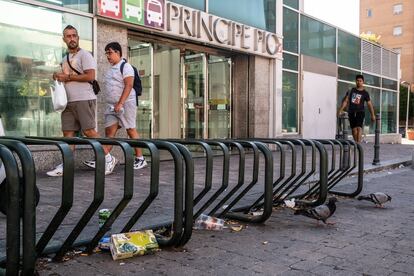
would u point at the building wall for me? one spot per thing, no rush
(382, 22)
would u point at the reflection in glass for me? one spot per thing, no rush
(28, 57)
(292, 3)
(167, 93)
(372, 80)
(193, 93)
(255, 13)
(389, 84)
(219, 97)
(81, 5)
(375, 95)
(290, 62)
(290, 30)
(140, 55)
(195, 4)
(346, 74)
(349, 50)
(317, 39)
(289, 102)
(388, 112)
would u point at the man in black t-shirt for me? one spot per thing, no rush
(355, 100)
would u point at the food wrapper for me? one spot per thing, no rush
(127, 245)
(105, 243)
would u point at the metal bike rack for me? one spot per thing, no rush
(12, 261)
(29, 214)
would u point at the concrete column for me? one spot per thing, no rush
(240, 114)
(107, 33)
(259, 96)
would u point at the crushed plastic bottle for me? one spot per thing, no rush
(204, 222)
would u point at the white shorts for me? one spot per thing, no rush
(126, 119)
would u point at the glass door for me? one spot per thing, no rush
(193, 101)
(140, 55)
(219, 97)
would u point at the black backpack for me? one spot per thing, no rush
(137, 80)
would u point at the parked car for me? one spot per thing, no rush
(154, 12)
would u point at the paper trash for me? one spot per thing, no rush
(127, 245)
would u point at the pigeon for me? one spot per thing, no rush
(322, 212)
(377, 198)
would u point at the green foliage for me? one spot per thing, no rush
(403, 103)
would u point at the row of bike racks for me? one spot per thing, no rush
(268, 172)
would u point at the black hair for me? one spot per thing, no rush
(359, 77)
(69, 27)
(114, 46)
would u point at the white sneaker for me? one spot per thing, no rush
(57, 171)
(90, 163)
(110, 165)
(139, 163)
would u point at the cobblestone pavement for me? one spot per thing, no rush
(364, 241)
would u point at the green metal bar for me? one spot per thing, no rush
(268, 186)
(128, 189)
(154, 180)
(29, 204)
(13, 217)
(67, 188)
(189, 194)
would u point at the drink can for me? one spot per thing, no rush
(103, 216)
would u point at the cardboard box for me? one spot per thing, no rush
(127, 245)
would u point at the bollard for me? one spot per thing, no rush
(376, 160)
(2, 133)
(344, 129)
(412, 161)
(345, 158)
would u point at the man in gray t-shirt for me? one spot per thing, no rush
(78, 70)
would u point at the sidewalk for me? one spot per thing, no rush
(364, 241)
(391, 156)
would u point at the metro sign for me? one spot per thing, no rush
(148, 13)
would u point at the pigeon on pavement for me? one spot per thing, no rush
(322, 212)
(377, 198)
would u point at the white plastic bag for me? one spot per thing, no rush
(59, 98)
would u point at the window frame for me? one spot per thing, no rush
(396, 11)
(400, 27)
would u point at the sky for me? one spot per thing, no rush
(341, 13)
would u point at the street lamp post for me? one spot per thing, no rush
(408, 106)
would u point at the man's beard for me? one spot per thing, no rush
(73, 45)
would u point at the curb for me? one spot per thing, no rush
(387, 165)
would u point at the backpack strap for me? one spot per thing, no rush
(122, 66)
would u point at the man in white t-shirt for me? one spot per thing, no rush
(121, 109)
(79, 114)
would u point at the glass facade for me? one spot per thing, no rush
(81, 5)
(372, 80)
(389, 84)
(289, 102)
(290, 62)
(375, 95)
(292, 3)
(256, 13)
(290, 30)
(389, 112)
(31, 53)
(195, 4)
(349, 50)
(317, 39)
(346, 74)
